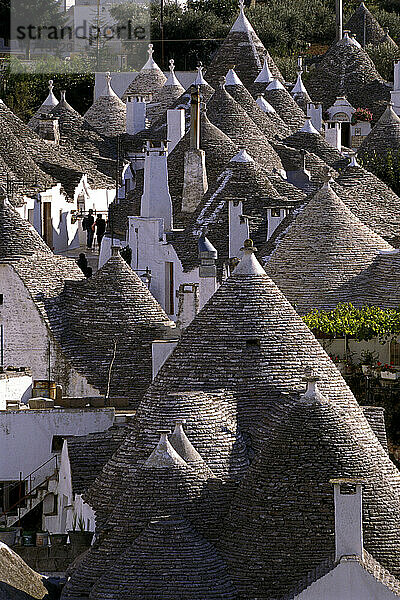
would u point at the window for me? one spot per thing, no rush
(1, 299)
(57, 443)
(169, 288)
(275, 212)
(252, 344)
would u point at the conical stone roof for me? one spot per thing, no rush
(282, 517)
(348, 70)
(165, 98)
(323, 250)
(300, 94)
(168, 545)
(238, 341)
(162, 483)
(271, 127)
(226, 114)
(288, 110)
(108, 113)
(210, 424)
(243, 48)
(384, 137)
(106, 324)
(46, 107)
(244, 180)
(363, 23)
(371, 200)
(310, 139)
(17, 236)
(149, 80)
(63, 164)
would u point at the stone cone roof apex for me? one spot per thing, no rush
(183, 446)
(308, 127)
(249, 265)
(151, 63)
(164, 455)
(265, 75)
(242, 157)
(51, 100)
(299, 87)
(389, 117)
(199, 77)
(108, 91)
(275, 85)
(172, 78)
(348, 41)
(232, 79)
(242, 24)
(265, 105)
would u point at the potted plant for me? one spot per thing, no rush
(8, 535)
(361, 114)
(388, 373)
(80, 537)
(368, 359)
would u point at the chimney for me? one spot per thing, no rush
(347, 495)
(238, 227)
(339, 20)
(156, 200)
(396, 86)
(302, 160)
(135, 113)
(188, 304)
(195, 182)
(48, 128)
(207, 269)
(314, 111)
(175, 126)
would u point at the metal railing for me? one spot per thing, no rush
(32, 490)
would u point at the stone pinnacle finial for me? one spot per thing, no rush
(248, 247)
(108, 77)
(172, 65)
(241, 5)
(150, 51)
(221, 82)
(249, 264)
(51, 86)
(326, 177)
(63, 92)
(115, 250)
(312, 392)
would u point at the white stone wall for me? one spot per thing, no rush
(68, 503)
(149, 249)
(27, 338)
(26, 437)
(347, 581)
(15, 387)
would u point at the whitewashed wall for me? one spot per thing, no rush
(27, 337)
(15, 386)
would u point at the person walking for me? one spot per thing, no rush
(87, 225)
(100, 225)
